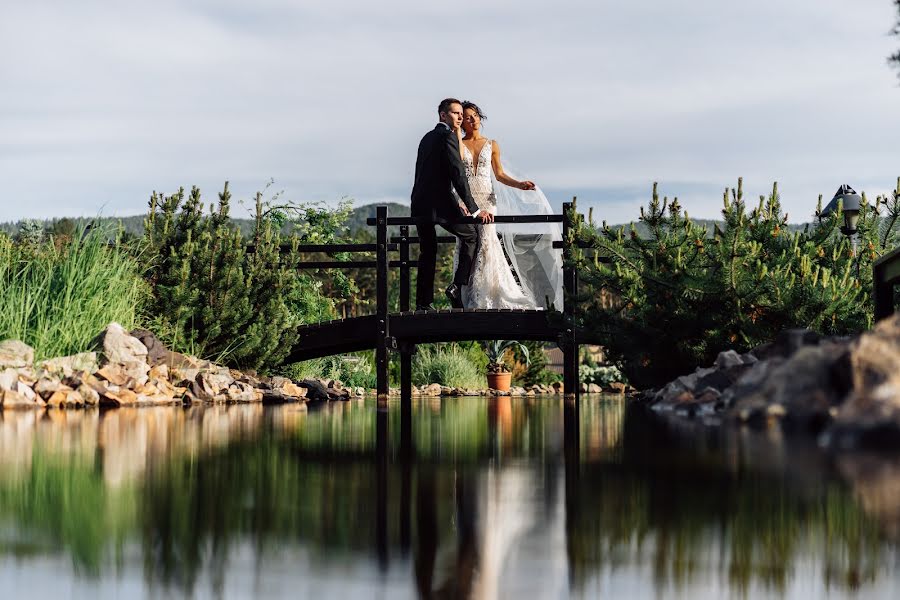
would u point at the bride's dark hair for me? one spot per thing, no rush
(466, 104)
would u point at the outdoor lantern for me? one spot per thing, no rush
(850, 202)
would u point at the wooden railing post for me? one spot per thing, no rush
(406, 350)
(571, 385)
(381, 306)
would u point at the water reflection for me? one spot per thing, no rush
(497, 501)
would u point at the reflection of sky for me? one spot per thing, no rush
(597, 98)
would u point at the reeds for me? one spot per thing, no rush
(57, 297)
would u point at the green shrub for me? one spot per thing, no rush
(674, 299)
(57, 298)
(600, 374)
(453, 365)
(352, 370)
(212, 297)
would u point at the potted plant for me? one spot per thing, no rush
(498, 375)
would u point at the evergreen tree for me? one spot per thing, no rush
(681, 295)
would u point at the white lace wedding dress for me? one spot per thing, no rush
(493, 283)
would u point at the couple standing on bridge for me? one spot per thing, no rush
(460, 184)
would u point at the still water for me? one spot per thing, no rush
(501, 500)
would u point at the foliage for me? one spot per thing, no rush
(894, 59)
(29, 233)
(600, 374)
(351, 370)
(57, 298)
(452, 365)
(496, 352)
(213, 297)
(534, 370)
(679, 298)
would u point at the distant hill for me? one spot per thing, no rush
(134, 225)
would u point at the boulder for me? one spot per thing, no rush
(593, 388)
(15, 354)
(432, 390)
(9, 378)
(117, 346)
(10, 399)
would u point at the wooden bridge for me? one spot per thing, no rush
(401, 331)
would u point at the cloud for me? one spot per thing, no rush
(104, 102)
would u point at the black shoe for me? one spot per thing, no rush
(454, 294)
(425, 307)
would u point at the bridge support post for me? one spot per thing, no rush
(381, 307)
(406, 350)
(571, 384)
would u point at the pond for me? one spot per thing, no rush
(500, 500)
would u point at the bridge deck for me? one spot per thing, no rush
(422, 327)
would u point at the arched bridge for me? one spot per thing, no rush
(400, 331)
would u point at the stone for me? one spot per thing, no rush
(617, 387)
(115, 374)
(66, 366)
(15, 354)
(446, 390)
(157, 353)
(293, 390)
(159, 372)
(118, 346)
(10, 399)
(557, 387)
(728, 358)
(593, 388)
(360, 392)
(433, 389)
(89, 395)
(9, 378)
(315, 391)
(46, 386)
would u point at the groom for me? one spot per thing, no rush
(438, 167)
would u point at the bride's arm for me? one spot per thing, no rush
(501, 176)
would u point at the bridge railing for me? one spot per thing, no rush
(385, 244)
(885, 276)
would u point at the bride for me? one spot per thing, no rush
(528, 275)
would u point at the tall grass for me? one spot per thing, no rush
(448, 364)
(57, 298)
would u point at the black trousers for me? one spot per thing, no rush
(469, 237)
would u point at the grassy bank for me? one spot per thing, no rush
(57, 297)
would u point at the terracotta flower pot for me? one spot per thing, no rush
(499, 381)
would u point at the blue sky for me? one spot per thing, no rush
(104, 102)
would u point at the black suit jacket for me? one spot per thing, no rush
(438, 167)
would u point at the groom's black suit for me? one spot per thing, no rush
(438, 167)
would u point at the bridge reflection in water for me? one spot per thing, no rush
(246, 501)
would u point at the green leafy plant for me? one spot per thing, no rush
(496, 353)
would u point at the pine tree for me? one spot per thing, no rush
(682, 294)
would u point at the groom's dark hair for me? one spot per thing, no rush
(444, 106)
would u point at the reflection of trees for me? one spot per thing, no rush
(689, 519)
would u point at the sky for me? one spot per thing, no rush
(103, 102)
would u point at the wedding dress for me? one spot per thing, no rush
(528, 247)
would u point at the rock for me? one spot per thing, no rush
(593, 388)
(157, 353)
(293, 390)
(116, 374)
(10, 399)
(360, 392)
(446, 390)
(787, 343)
(66, 366)
(118, 346)
(617, 387)
(728, 358)
(315, 391)
(557, 387)
(432, 390)
(15, 354)
(88, 395)
(9, 378)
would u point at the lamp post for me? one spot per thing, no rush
(850, 204)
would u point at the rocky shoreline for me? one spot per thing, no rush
(845, 390)
(134, 368)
